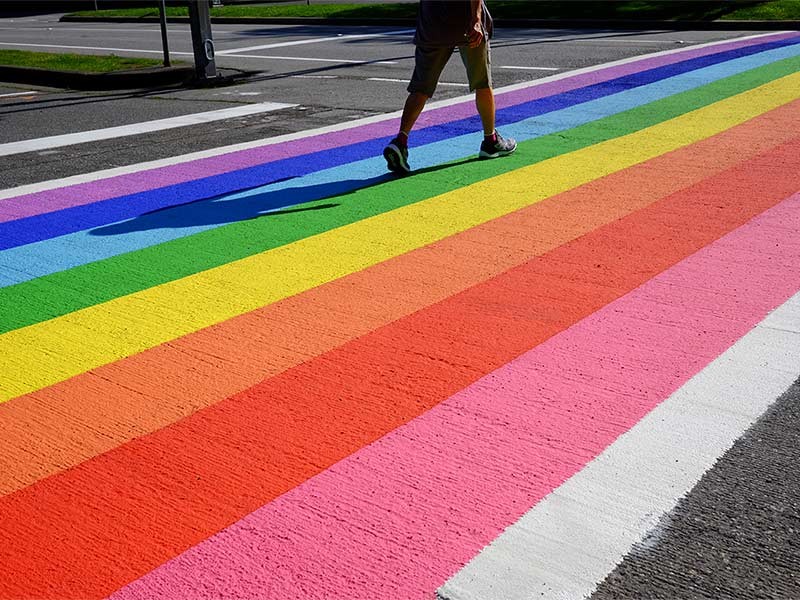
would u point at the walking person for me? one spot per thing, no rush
(443, 26)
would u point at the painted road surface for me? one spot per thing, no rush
(274, 370)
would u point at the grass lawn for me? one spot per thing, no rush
(74, 62)
(697, 10)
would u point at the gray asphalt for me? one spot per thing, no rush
(737, 534)
(316, 76)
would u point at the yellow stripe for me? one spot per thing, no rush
(52, 351)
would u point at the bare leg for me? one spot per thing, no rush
(411, 111)
(396, 153)
(484, 100)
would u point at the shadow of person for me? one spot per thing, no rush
(223, 210)
(230, 208)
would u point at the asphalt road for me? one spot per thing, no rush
(332, 74)
(734, 536)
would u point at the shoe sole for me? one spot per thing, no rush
(484, 154)
(394, 160)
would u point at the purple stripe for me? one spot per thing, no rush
(93, 191)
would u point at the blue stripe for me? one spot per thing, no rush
(45, 257)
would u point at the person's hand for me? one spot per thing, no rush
(475, 36)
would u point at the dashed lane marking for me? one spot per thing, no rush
(315, 41)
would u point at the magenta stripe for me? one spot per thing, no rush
(85, 193)
(399, 517)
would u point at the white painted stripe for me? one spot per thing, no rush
(59, 28)
(391, 80)
(82, 137)
(103, 48)
(530, 68)
(315, 76)
(179, 53)
(30, 93)
(630, 41)
(570, 541)
(342, 61)
(604, 37)
(314, 41)
(165, 162)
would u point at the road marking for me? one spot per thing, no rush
(178, 53)
(635, 41)
(15, 44)
(603, 38)
(31, 93)
(315, 76)
(57, 141)
(530, 68)
(314, 41)
(390, 80)
(166, 162)
(87, 29)
(211, 291)
(486, 449)
(574, 537)
(310, 59)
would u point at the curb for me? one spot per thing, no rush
(114, 80)
(505, 23)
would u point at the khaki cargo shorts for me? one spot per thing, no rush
(430, 61)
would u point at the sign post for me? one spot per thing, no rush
(202, 41)
(162, 17)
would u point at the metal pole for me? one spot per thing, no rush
(162, 16)
(202, 41)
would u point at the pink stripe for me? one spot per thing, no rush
(399, 517)
(86, 193)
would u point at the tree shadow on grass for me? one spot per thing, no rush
(223, 210)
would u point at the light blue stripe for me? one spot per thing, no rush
(59, 254)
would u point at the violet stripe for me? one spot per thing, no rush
(85, 193)
(399, 517)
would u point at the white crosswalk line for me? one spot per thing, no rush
(57, 141)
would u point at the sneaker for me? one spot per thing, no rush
(500, 147)
(396, 156)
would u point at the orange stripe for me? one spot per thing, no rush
(58, 427)
(90, 530)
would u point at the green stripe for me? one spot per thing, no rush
(64, 292)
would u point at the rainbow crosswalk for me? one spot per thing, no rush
(274, 370)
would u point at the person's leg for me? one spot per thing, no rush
(478, 64)
(484, 100)
(396, 152)
(428, 66)
(411, 111)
